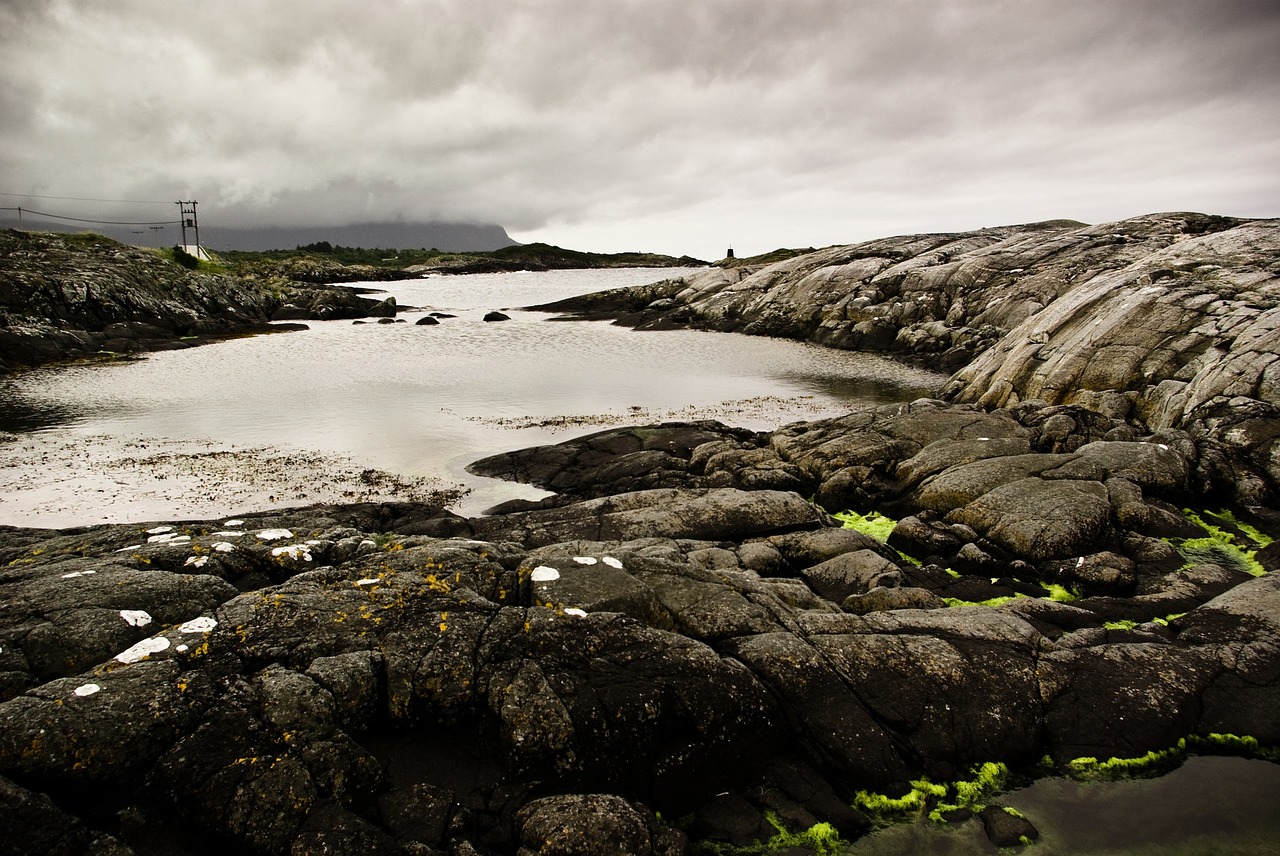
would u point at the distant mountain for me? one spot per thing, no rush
(448, 237)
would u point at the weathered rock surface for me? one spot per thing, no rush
(543, 681)
(678, 632)
(1168, 321)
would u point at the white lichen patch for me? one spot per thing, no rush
(181, 649)
(293, 551)
(203, 624)
(236, 522)
(368, 581)
(223, 546)
(274, 534)
(135, 617)
(160, 530)
(74, 574)
(228, 534)
(612, 562)
(196, 562)
(168, 538)
(143, 649)
(543, 574)
(130, 547)
(577, 613)
(87, 690)
(584, 560)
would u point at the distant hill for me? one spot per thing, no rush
(447, 237)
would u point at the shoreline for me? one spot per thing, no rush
(772, 635)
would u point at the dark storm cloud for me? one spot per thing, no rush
(610, 124)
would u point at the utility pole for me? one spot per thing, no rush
(189, 220)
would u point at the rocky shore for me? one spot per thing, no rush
(710, 637)
(65, 296)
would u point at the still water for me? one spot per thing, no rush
(287, 419)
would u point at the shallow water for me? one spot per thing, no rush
(1208, 806)
(132, 440)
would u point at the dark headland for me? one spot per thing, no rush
(708, 637)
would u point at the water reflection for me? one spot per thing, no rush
(19, 413)
(420, 401)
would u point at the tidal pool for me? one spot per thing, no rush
(347, 411)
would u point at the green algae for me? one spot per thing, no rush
(974, 794)
(821, 839)
(938, 800)
(994, 601)
(1226, 517)
(874, 524)
(1159, 761)
(1059, 593)
(1123, 624)
(883, 810)
(1222, 547)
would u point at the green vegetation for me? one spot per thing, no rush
(1159, 761)
(995, 601)
(874, 524)
(883, 810)
(1124, 624)
(1222, 546)
(821, 839)
(184, 258)
(1061, 594)
(987, 780)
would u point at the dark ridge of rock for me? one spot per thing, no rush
(359, 688)
(622, 460)
(68, 296)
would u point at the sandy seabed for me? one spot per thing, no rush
(60, 478)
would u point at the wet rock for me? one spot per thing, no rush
(1006, 828)
(732, 820)
(496, 316)
(384, 309)
(617, 460)
(594, 825)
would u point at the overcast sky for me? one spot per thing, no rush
(678, 126)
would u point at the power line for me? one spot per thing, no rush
(87, 199)
(22, 211)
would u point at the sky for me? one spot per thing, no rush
(674, 126)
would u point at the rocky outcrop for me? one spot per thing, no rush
(67, 296)
(683, 630)
(1166, 321)
(557, 679)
